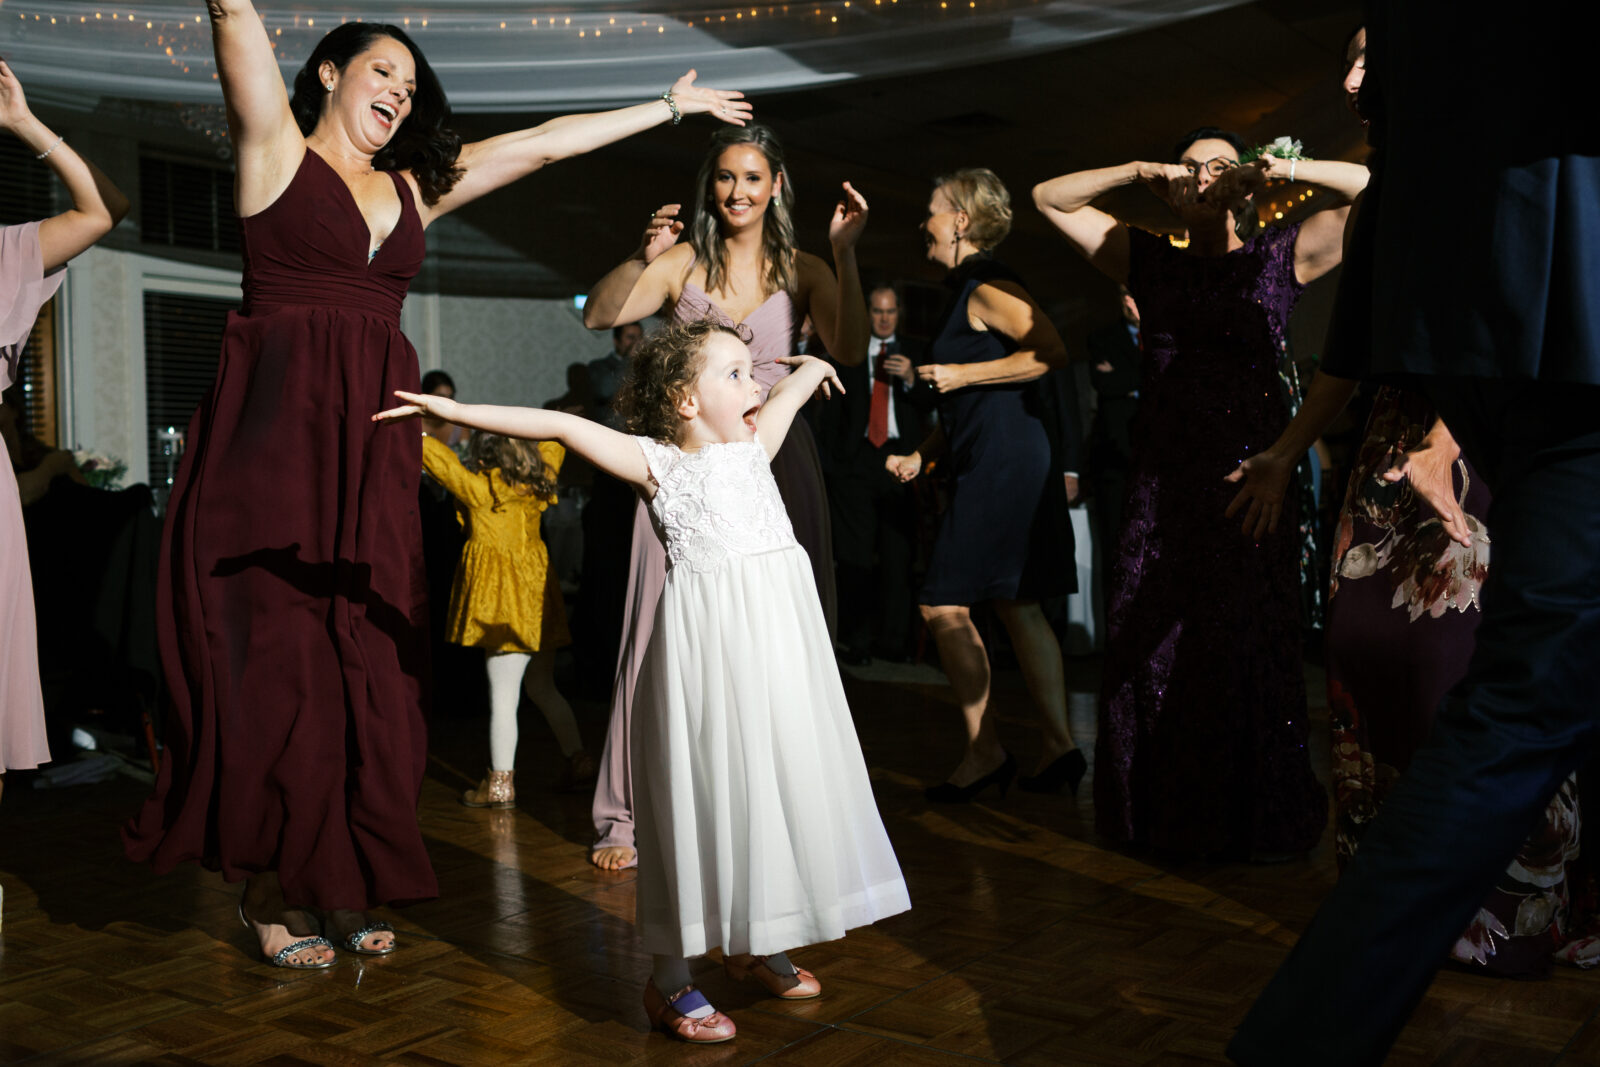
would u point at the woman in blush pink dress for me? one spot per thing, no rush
(739, 267)
(31, 258)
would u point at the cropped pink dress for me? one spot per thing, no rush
(24, 288)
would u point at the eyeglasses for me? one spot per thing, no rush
(1216, 166)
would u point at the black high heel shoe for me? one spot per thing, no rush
(1066, 769)
(950, 793)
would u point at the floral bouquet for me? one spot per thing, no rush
(101, 469)
(1282, 147)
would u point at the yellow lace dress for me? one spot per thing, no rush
(502, 599)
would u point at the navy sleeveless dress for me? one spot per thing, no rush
(292, 601)
(1006, 534)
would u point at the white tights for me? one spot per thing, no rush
(510, 674)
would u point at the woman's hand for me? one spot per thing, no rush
(1159, 176)
(904, 468)
(944, 377)
(725, 105)
(13, 105)
(830, 374)
(1430, 467)
(662, 232)
(1237, 184)
(849, 219)
(420, 404)
(1263, 478)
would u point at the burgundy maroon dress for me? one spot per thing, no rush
(1202, 745)
(292, 599)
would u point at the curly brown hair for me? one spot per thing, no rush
(518, 461)
(661, 371)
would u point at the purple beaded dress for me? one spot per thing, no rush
(1202, 741)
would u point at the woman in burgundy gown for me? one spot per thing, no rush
(32, 255)
(740, 266)
(1202, 741)
(292, 597)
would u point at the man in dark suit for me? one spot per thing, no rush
(1476, 282)
(883, 412)
(1114, 367)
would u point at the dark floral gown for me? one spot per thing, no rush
(1402, 614)
(1202, 741)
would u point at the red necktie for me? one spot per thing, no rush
(878, 413)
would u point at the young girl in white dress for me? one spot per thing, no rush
(757, 828)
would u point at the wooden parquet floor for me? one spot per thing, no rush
(1028, 941)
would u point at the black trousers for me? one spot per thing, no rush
(1523, 718)
(874, 534)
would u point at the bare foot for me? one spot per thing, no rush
(341, 924)
(278, 926)
(613, 857)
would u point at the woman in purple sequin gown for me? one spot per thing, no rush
(740, 267)
(1202, 733)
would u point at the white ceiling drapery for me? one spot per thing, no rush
(519, 57)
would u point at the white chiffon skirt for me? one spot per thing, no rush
(757, 828)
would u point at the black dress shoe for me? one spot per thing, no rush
(1066, 769)
(853, 657)
(950, 793)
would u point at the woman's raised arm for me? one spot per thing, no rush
(1320, 245)
(265, 137)
(641, 284)
(835, 302)
(1097, 236)
(97, 204)
(499, 161)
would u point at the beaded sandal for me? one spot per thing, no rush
(281, 959)
(352, 940)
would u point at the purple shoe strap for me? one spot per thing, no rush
(692, 1000)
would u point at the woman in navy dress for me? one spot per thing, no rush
(1006, 538)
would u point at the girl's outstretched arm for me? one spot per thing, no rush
(615, 453)
(788, 396)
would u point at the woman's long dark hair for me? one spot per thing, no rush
(425, 144)
(777, 225)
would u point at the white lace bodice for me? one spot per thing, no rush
(718, 502)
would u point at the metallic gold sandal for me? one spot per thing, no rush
(495, 791)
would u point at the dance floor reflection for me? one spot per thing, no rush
(1028, 942)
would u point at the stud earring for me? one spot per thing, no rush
(328, 86)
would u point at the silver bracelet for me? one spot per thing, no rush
(1292, 162)
(677, 116)
(52, 148)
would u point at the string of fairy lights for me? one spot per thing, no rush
(182, 36)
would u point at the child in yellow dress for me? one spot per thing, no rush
(503, 600)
